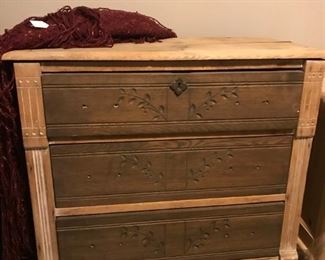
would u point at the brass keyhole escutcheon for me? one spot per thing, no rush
(178, 87)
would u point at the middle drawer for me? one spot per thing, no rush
(138, 170)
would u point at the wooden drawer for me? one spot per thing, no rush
(135, 103)
(124, 171)
(228, 232)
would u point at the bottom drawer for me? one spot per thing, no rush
(227, 232)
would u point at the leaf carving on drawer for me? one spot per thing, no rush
(211, 162)
(211, 100)
(133, 162)
(206, 232)
(144, 103)
(143, 238)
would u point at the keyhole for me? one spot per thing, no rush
(179, 86)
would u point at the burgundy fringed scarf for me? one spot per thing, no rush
(78, 27)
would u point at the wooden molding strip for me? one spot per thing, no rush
(161, 205)
(162, 138)
(198, 65)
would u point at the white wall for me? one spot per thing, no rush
(302, 21)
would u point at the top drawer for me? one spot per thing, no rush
(81, 104)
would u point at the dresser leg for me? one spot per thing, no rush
(300, 158)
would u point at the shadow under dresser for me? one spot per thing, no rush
(185, 149)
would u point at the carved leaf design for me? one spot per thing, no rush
(144, 103)
(145, 238)
(199, 240)
(140, 104)
(210, 100)
(234, 94)
(145, 167)
(132, 100)
(147, 97)
(161, 109)
(208, 163)
(198, 115)
(204, 233)
(192, 109)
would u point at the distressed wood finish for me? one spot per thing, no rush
(37, 157)
(199, 65)
(152, 147)
(174, 204)
(178, 49)
(79, 104)
(29, 91)
(314, 73)
(312, 226)
(207, 233)
(75, 132)
(311, 96)
(135, 171)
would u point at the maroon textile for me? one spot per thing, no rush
(78, 27)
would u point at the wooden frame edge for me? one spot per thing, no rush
(310, 101)
(30, 100)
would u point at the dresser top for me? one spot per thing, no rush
(226, 48)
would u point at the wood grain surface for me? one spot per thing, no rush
(37, 153)
(309, 108)
(137, 171)
(173, 204)
(81, 104)
(179, 49)
(227, 232)
(183, 149)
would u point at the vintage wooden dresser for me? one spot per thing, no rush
(193, 149)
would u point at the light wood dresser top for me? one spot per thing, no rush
(178, 49)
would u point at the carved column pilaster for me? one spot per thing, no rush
(29, 92)
(310, 100)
